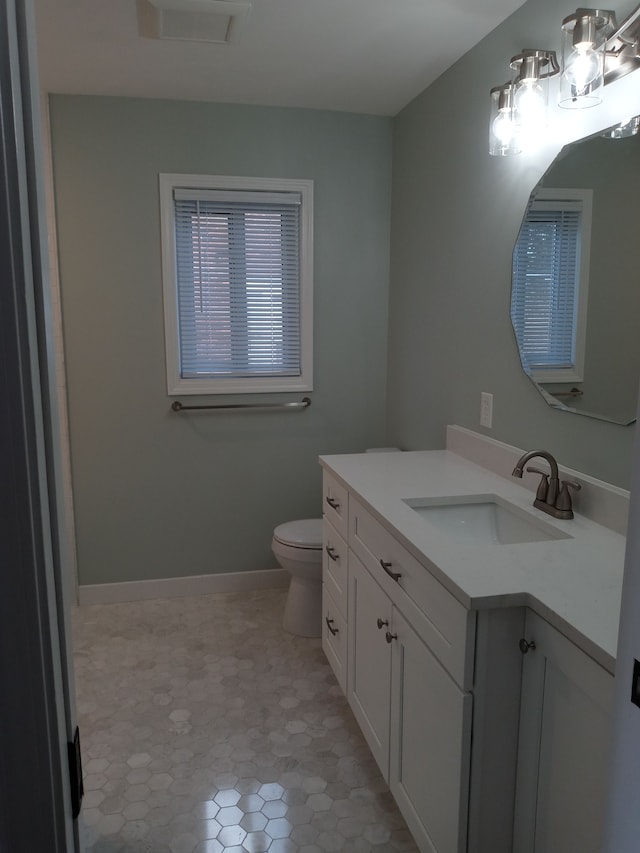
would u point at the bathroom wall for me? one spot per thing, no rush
(456, 213)
(161, 495)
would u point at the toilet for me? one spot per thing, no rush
(297, 546)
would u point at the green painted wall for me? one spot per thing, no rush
(160, 495)
(456, 213)
(163, 495)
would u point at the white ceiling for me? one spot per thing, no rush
(367, 56)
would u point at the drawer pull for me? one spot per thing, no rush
(395, 575)
(333, 503)
(389, 636)
(332, 554)
(329, 622)
(381, 623)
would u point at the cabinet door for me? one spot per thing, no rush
(430, 744)
(369, 656)
(563, 750)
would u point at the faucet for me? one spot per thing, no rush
(552, 496)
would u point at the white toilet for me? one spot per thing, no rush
(297, 546)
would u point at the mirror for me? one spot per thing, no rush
(606, 386)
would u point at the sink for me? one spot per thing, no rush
(483, 520)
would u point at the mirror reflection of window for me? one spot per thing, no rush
(550, 284)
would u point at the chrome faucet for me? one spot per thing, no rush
(553, 496)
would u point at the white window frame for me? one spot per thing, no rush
(176, 383)
(554, 198)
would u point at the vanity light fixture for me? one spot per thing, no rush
(630, 127)
(532, 68)
(596, 51)
(503, 131)
(519, 108)
(584, 40)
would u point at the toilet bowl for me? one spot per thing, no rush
(297, 546)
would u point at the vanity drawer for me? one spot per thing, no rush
(442, 622)
(334, 565)
(335, 503)
(334, 638)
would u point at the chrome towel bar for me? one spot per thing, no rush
(177, 406)
(574, 392)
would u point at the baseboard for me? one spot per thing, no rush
(111, 593)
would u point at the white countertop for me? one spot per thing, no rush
(575, 583)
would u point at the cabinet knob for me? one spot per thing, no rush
(525, 645)
(381, 623)
(329, 622)
(332, 554)
(333, 503)
(387, 567)
(389, 636)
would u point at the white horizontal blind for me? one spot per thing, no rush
(545, 286)
(238, 291)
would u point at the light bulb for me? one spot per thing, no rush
(582, 67)
(503, 127)
(530, 101)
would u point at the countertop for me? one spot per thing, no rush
(575, 584)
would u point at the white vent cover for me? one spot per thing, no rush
(213, 21)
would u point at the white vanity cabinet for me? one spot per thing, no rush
(409, 660)
(429, 744)
(565, 721)
(415, 718)
(485, 749)
(369, 653)
(335, 577)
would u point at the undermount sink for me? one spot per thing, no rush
(483, 520)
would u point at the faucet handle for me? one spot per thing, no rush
(543, 486)
(564, 498)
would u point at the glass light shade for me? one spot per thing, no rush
(630, 127)
(532, 68)
(503, 130)
(584, 37)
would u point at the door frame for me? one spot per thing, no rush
(37, 709)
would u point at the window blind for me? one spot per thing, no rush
(545, 284)
(238, 292)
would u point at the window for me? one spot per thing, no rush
(550, 283)
(237, 271)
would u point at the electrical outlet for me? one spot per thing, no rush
(486, 409)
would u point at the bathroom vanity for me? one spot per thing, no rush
(475, 640)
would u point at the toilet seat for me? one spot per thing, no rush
(305, 534)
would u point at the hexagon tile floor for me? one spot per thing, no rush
(206, 728)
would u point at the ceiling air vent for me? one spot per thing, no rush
(213, 21)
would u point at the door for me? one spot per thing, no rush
(564, 744)
(36, 710)
(369, 656)
(430, 744)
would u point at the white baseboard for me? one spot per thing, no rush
(111, 593)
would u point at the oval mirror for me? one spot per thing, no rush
(575, 298)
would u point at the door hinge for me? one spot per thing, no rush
(75, 772)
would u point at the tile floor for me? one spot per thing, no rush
(207, 728)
